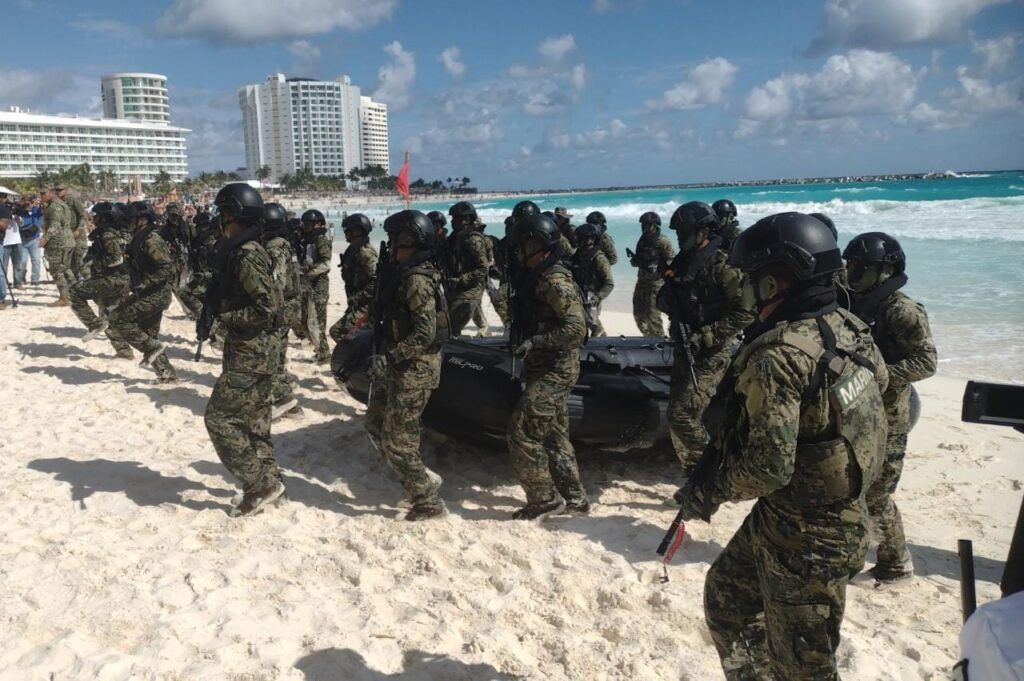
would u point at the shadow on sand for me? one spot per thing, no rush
(332, 664)
(144, 486)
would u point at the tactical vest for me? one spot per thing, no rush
(525, 318)
(648, 252)
(94, 257)
(584, 270)
(134, 251)
(459, 260)
(398, 326)
(698, 300)
(354, 279)
(832, 475)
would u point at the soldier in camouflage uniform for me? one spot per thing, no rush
(729, 225)
(500, 272)
(479, 316)
(175, 231)
(563, 219)
(607, 244)
(593, 275)
(653, 254)
(703, 299)
(798, 426)
(59, 243)
(315, 266)
(410, 323)
(200, 255)
(151, 270)
(466, 266)
(108, 281)
(548, 330)
(359, 273)
(248, 305)
(285, 271)
(899, 325)
(80, 230)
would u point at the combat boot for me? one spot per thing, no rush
(283, 407)
(125, 354)
(149, 356)
(60, 302)
(93, 334)
(885, 574)
(423, 512)
(541, 510)
(256, 500)
(578, 507)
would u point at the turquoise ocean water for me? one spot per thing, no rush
(964, 239)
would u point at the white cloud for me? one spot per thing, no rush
(246, 21)
(888, 24)
(306, 54)
(858, 83)
(578, 78)
(971, 99)
(487, 132)
(395, 79)
(555, 48)
(452, 60)
(996, 53)
(601, 6)
(706, 84)
(28, 88)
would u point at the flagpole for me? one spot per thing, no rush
(408, 197)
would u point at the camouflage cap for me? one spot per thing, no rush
(562, 212)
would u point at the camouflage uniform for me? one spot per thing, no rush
(550, 314)
(316, 266)
(359, 273)
(201, 251)
(467, 267)
(108, 283)
(284, 267)
(653, 254)
(900, 327)
(593, 275)
(608, 247)
(702, 291)
(137, 319)
(499, 294)
(413, 323)
(58, 225)
(729, 231)
(479, 316)
(80, 228)
(175, 231)
(774, 598)
(248, 306)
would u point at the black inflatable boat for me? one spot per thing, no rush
(618, 404)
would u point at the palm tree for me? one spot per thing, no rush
(263, 172)
(465, 182)
(162, 183)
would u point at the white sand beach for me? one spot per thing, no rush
(119, 561)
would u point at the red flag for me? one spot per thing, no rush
(402, 183)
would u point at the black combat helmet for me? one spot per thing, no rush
(139, 209)
(537, 225)
(462, 210)
(596, 218)
(274, 216)
(877, 248)
(106, 213)
(357, 221)
(725, 210)
(294, 224)
(827, 221)
(588, 230)
(201, 219)
(242, 201)
(510, 223)
(524, 209)
(438, 218)
(414, 222)
(650, 218)
(797, 241)
(695, 216)
(313, 216)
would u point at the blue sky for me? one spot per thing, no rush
(571, 93)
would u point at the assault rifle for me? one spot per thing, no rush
(683, 328)
(376, 313)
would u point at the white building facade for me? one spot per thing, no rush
(30, 143)
(141, 96)
(295, 123)
(373, 132)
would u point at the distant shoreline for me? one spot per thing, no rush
(345, 200)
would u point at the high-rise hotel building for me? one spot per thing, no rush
(295, 123)
(133, 139)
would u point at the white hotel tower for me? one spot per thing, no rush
(295, 123)
(142, 96)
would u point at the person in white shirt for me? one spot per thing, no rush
(11, 249)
